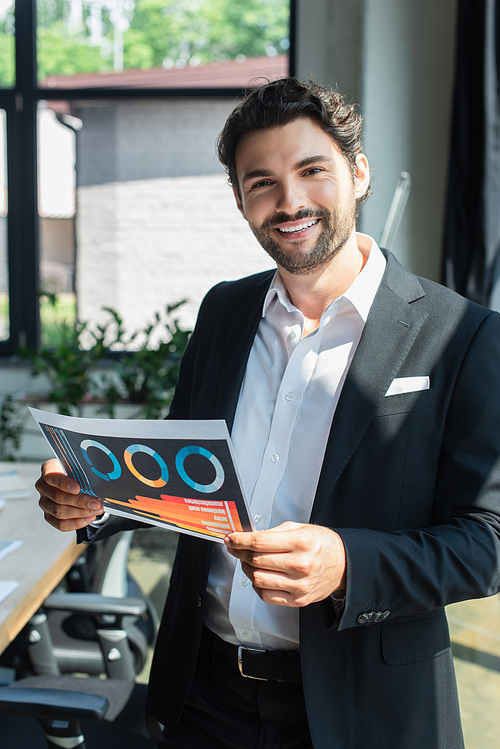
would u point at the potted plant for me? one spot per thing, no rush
(84, 369)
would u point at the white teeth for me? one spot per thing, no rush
(301, 227)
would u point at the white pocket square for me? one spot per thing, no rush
(408, 385)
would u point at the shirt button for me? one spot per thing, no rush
(292, 335)
(275, 457)
(245, 581)
(289, 397)
(257, 518)
(245, 635)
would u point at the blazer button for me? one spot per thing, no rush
(364, 618)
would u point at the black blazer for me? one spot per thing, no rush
(411, 482)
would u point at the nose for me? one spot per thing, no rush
(291, 197)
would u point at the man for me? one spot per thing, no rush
(364, 406)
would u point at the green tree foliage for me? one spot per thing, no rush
(7, 54)
(160, 32)
(63, 50)
(182, 32)
(60, 53)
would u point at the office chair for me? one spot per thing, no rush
(60, 638)
(70, 633)
(93, 719)
(61, 702)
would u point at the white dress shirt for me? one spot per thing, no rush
(282, 422)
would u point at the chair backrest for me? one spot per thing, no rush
(110, 574)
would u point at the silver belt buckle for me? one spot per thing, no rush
(241, 648)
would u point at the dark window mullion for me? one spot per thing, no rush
(23, 237)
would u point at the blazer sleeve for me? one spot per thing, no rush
(416, 570)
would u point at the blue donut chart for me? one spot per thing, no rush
(115, 473)
(196, 450)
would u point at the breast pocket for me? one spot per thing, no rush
(406, 402)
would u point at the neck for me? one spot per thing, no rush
(312, 293)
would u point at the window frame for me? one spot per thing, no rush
(21, 106)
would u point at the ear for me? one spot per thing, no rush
(361, 175)
(239, 203)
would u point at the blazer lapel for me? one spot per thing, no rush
(241, 331)
(390, 330)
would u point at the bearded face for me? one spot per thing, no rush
(298, 193)
(335, 225)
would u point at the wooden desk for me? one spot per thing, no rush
(39, 564)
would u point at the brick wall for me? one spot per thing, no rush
(156, 220)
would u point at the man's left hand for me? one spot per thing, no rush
(294, 564)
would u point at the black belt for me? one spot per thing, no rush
(264, 665)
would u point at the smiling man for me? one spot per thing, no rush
(364, 405)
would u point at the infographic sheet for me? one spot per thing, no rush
(180, 475)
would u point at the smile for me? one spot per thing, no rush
(299, 228)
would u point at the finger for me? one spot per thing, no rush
(273, 540)
(62, 505)
(63, 510)
(288, 581)
(280, 548)
(70, 524)
(86, 504)
(266, 579)
(66, 517)
(53, 465)
(54, 475)
(277, 590)
(283, 592)
(280, 562)
(56, 488)
(278, 598)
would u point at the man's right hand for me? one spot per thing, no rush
(62, 503)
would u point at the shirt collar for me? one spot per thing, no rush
(360, 293)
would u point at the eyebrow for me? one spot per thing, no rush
(317, 159)
(255, 173)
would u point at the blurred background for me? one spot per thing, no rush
(116, 218)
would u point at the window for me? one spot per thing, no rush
(148, 208)
(109, 123)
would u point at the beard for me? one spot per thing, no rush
(337, 227)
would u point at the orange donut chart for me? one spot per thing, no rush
(149, 451)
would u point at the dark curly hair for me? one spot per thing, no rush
(280, 102)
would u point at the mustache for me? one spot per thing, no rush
(283, 218)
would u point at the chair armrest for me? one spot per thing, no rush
(52, 704)
(112, 635)
(94, 603)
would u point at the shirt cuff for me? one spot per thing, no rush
(100, 521)
(338, 600)
(91, 529)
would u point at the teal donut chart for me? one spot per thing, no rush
(115, 473)
(219, 471)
